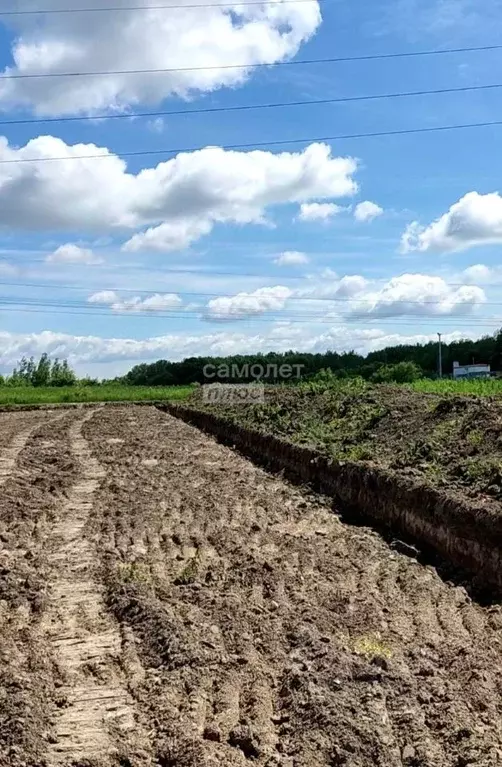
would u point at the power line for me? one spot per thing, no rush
(117, 9)
(193, 294)
(247, 107)
(250, 65)
(258, 144)
(285, 315)
(280, 318)
(192, 272)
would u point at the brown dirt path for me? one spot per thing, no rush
(268, 631)
(98, 713)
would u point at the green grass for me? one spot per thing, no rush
(28, 395)
(483, 387)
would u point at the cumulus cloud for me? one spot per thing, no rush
(481, 274)
(319, 211)
(73, 254)
(354, 297)
(367, 211)
(245, 305)
(351, 285)
(155, 303)
(141, 39)
(476, 219)
(291, 258)
(417, 295)
(173, 235)
(103, 297)
(84, 350)
(179, 200)
(332, 286)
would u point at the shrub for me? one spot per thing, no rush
(403, 372)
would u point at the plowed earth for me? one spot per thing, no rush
(163, 602)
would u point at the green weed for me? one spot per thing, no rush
(482, 387)
(475, 438)
(134, 572)
(189, 573)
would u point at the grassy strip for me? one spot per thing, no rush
(484, 387)
(29, 395)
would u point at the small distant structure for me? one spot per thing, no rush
(471, 371)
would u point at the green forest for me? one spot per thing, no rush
(395, 363)
(400, 363)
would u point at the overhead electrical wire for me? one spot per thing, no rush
(257, 144)
(89, 304)
(120, 9)
(60, 286)
(196, 294)
(193, 272)
(251, 65)
(280, 318)
(304, 317)
(248, 107)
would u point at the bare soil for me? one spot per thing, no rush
(165, 603)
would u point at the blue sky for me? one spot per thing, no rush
(215, 251)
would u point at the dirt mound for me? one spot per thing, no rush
(445, 441)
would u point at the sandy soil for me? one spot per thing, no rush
(165, 603)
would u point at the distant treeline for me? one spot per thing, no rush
(244, 367)
(395, 363)
(44, 372)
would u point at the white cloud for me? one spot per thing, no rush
(73, 254)
(179, 199)
(351, 285)
(292, 258)
(155, 303)
(85, 350)
(329, 274)
(416, 295)
(476, 219)
(329, 285)
(479, 273)
(245, 305)
(103, 297)
(175, 235)
(355, 297)
(367, 211)
(317, 211)
(146, 39)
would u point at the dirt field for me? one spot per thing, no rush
(164, 602)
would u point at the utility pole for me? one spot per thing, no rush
(440, 357)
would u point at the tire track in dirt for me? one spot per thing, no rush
(9, 455)
(31, 495)
(271, 632)
(98, 713)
